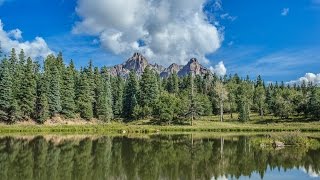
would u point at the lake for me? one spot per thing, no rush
(148, 157)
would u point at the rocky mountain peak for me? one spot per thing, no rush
(138, 63)
(193, 60)
(194, 67)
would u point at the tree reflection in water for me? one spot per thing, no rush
(156, 157)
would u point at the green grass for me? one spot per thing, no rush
(203, 124)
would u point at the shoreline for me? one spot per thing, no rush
(122, 128)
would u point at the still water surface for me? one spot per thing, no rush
(152, 157)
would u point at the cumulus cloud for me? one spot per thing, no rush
(219, 69)
(171, 31)
(12, 39)
(307, 78)
(285, 11)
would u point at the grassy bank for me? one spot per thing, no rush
(204, 124)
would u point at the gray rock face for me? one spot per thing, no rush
(194, 67)
(138, 63)
(173, 68)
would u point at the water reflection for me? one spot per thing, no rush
(155, 157)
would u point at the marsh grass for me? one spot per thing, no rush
(202, 124)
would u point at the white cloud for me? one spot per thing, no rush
(307, 78)
(285, 11)
(218, 5)
(172, 31)
(16, 34)
(310, 172)
(11, 39)
(219, 69)
(227, 16)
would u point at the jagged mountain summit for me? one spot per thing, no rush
(138, 63)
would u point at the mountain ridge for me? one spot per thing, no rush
(138, 63)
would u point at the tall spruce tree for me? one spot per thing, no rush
(149, 91)
(14, 71)
(54, 92)
(103, 97)
(84, 97)
(27, 90)
(173, 83)
(130, 96)
(68, 93)
(260, 96)
(117, 95)
(42, 105)
(8, 105)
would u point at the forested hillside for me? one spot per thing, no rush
(29, 90)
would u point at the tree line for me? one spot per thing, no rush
(29, 90)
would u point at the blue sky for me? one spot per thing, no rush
(278, 39)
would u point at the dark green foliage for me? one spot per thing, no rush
(68, 93)
(42, 105)
(9, 111)
(166, 107)
(117, 95)
(314, 103)
(149, 91)
(283, 103)
(27, 93)
(103, 99)
(173, 83)
(54, 95)
(244, 101)
(130, 96)
(84, 97)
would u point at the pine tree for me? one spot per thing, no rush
(84, 97)
(314, 103)
(54, 97)
(68, 93)
(27, 90)
(14, 71)
(130, 96)
(173, 83)
(103, 97)
(8, 106)
(117, 95)
(42, 105)
(260, 96)
(149, 91)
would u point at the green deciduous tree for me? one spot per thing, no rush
(222, 95)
